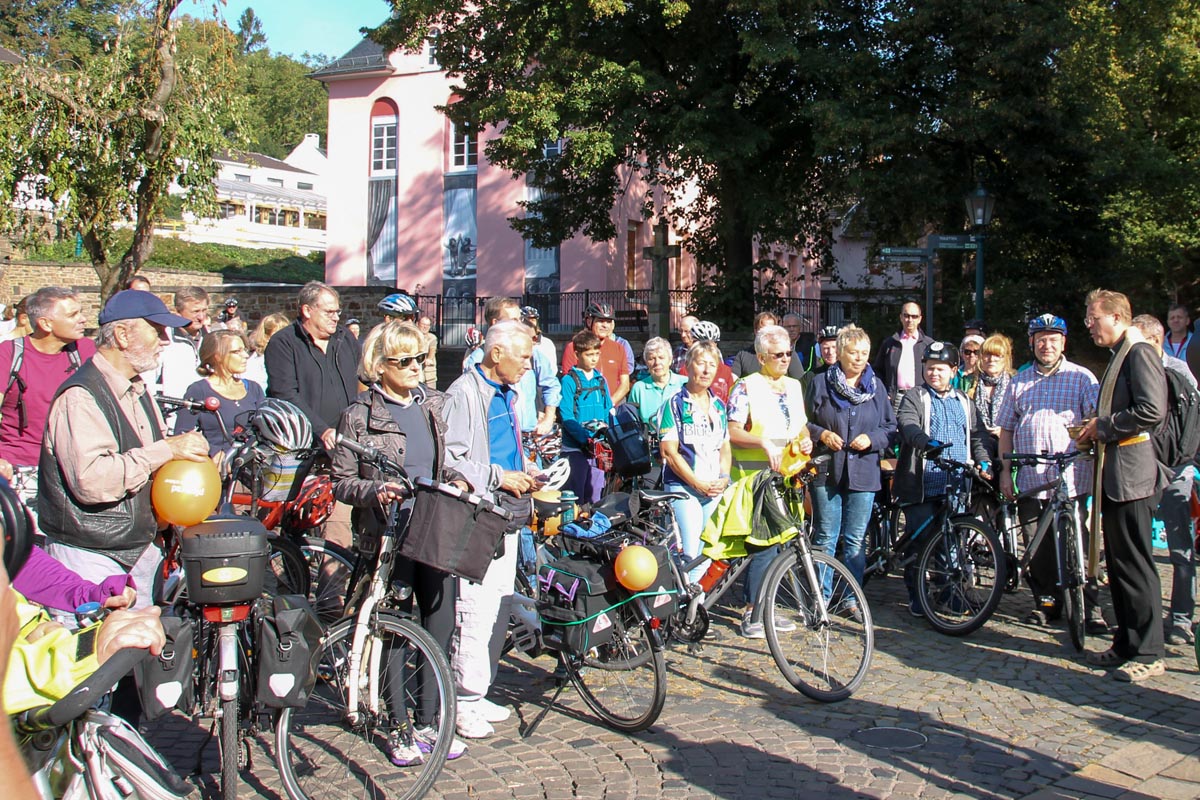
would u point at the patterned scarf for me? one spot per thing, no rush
(988, 406)
(854, 395)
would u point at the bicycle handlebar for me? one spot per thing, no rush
(210, 404)
(377, 459)
(83, 696)
(1045, 458)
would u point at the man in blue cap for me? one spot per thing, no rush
(104, 440)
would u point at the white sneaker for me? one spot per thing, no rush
(470, 723)
(752, 630)
(492, 712)
(783, 624)
(425, 738)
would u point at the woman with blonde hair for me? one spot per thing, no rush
(995, 371)
(223, 357)
(256, 368)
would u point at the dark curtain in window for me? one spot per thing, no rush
(381, 230)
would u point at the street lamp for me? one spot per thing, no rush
(979, 205)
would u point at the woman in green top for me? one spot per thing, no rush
(649, 393)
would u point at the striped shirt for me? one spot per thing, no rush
(1037, 409)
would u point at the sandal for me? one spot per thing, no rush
(1135, 671)
(1109, 658)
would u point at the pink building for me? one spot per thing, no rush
(413, 203)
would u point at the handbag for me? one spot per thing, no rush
(455, 531)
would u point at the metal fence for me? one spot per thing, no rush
(562, 312)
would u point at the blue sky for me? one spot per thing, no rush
(294, 27)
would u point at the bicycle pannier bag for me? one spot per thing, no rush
(630, 451)
(453, 530)
(577, 597)
(165, 682)
(289, 647)
(662, 596)
(116, 763)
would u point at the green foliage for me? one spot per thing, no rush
(234, 263)
(281, 103)
(250, 34)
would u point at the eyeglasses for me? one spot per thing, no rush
(910, 316)
(1089, 320)
(970, 352)
(333, 312)
(404, 361)
(784, 354)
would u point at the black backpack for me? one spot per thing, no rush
(1177, 438)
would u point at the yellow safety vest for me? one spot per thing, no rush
(768, 420)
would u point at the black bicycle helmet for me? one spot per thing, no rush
(1047, 323)
(399, 305)
(705, 331)
(944, 352)
(828, 334)
(282, 425)
(599, 311)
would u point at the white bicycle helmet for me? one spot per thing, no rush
(282, 425)
(705, 331)
(399, 305)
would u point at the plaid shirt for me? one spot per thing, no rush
(1037, 409)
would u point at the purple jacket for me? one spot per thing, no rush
(47, 582)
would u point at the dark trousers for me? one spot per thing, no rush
(1043, 569)
(435, 592)
(1133, 579)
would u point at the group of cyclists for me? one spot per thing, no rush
(717, 422)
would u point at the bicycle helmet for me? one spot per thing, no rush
(705, 331)
(828, 334)
(944, 352)
(1047, 323)
(529, 312)
(282, 425)
(399, 305)
(474, 337)
(599, 311)
(312, 505)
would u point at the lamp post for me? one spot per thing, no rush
(979, 205)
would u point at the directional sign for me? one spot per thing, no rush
(903, 258)
(920, 252)
(962, 241)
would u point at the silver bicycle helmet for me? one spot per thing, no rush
(399, 305)
(282, 425)
(705, 331)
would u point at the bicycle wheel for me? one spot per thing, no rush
(1072, 565)
(624, 681)
(883, 530)
(329, 567)
(327, 750)
(287, 572)
(230, 743)
(960, 577)
(827, 656)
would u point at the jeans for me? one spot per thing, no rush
(692, 514)
(1174, 509)
(760, 559)
(840, 520)
(917, 517)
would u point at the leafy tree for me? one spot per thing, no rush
(282, 103)
(110, 129)
(250, 34)
(716, 98)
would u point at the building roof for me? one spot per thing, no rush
(258, 160)
(9, 57)
(366, 57)
(243, 190)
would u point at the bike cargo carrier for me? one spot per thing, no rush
(453, 530)
(224, 559)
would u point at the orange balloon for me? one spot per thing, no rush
(186, 492)
(636, 568)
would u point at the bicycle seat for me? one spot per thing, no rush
(653, 496)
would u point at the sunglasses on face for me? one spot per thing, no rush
(970, 352)
(404, 361)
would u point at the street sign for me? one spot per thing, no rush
(902, 259)
(963, 241)
(888, 252)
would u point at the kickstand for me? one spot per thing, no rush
(562, 684)
(200, 750)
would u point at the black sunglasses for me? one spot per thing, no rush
(404, 361)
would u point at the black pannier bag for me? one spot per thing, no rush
(289, 648)
(577, 602)
(631, 451)
(454, 531)
(165, 682)
(662, 596)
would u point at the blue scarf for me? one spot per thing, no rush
(842, 393)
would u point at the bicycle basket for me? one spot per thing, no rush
(454, 531)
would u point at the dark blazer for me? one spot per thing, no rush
(1139, 404)
(850, 469)
(887, 360)
(912, 419)
(320, 384)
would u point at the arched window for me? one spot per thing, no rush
(384, 120)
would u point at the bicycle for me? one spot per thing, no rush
(960, 566)
(374, 664)
(1061, 520)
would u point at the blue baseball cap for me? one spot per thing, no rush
(137, 304)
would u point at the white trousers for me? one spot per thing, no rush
(482, 610)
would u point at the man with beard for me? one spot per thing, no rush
(103, 442)
(1039, 405)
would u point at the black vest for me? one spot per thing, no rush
(121, 530)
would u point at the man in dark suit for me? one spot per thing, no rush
(898, 362)
(1133, 401)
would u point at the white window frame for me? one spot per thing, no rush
(384, 134)
(464, 150)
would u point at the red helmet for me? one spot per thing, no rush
(312, 506)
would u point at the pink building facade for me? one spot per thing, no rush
(413, 203)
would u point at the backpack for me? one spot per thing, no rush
(72, 351)
(1177, 438)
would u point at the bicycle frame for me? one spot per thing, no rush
(1060, 504)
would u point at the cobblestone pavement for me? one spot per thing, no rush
(1007, 712)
